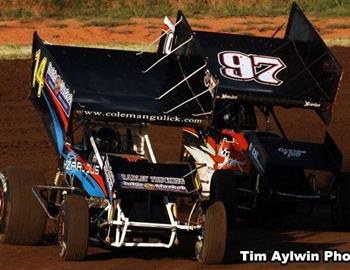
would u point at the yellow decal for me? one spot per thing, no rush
(36, 59)
(39, 69)
(197, 182)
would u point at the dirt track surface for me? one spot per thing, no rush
(141, 30)
(23, 141)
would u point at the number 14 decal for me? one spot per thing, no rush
(248, 67)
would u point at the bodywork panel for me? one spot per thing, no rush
(266, 151)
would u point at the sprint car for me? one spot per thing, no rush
(109, 188)
(257, 168)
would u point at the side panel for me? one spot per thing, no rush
(85, 174)
(268, 151)
(50, 94)
(324, 69)
(163, 178)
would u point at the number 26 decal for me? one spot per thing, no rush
(250, 67)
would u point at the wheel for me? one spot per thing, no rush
(73, 228)
(22, 218)
(223, 188)
(341, 207)
(210, 249)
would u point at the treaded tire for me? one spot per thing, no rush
(342, 205)
(23, 220)
(211, 249)
(223, 187)
(73, 228)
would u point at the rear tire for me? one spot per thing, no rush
(73, 228)
(212, 247)
(341, 209)
(22, 218)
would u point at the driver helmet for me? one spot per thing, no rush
(233, 116)
(107, 139)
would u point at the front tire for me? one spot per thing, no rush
(223, 187)
(73, 228)
(22, 219)
(210, 249)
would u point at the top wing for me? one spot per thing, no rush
(298, 70)
(115, 85)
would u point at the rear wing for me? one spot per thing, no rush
(296, 71)
(114, 85)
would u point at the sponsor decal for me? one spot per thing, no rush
(226, 96)
(312, 104)
(255, 154)
(167, 180)
(109, 174)
(3, 182)
(149, 186)
(170, 28)
(209, 81)
(295, 153)
(146, 117)
(72, 164)
(159, 183)
(250, 67)
(59, 88)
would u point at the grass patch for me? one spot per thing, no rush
(264, 28)
(124, 32)
(246, 33)
(58, 25)
(15, 51)
(343, 42)
(230, 29)
(108, 23)
(325, 31)
(153, 26)
(15, 13)
(250, 27)
(200, 25)
(123, 9)
(339, 26)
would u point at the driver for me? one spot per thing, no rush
(231, 145)
(107, 140)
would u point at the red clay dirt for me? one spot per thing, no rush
(141, 30)
(23, 141)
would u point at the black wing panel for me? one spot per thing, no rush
(113, 85)
(296, 71)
